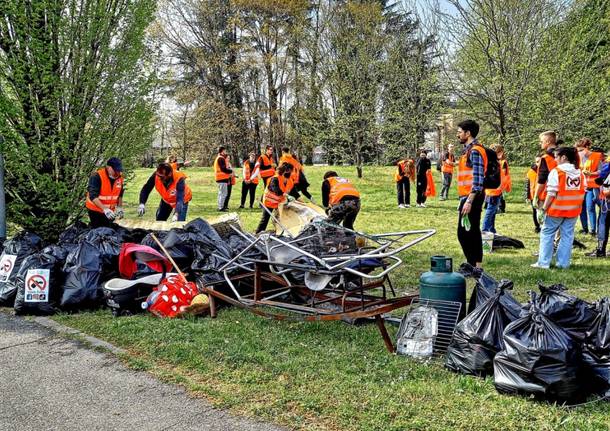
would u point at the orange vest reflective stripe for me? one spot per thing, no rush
(505, 181)
(270, 199)
(570, 195)
(109, 195)
(551, 164)
(219, 175)
(447, 168)
(592, 165)
(339, 188)
(264, 160)
(169, 194)
(296, 166)
(248, 172)
(531, 178)
(466, 174)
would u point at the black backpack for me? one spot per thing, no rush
(492, 178)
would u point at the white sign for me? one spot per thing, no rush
(37, 285)
(7, 264)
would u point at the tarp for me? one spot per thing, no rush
(295, 215)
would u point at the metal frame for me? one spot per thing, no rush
(351, 293)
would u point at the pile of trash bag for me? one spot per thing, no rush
(479, 337)
(70, 275)
(540, 359)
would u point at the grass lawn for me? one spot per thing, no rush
(331, 376)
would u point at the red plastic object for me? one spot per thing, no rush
(132, 253)
(174, 294)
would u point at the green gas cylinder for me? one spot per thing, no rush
(441, 283)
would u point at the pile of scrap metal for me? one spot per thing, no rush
(310, 269)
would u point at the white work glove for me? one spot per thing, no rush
(175, 217)
(110, 215)
(119, 212)
(141, 210)
(540, 215)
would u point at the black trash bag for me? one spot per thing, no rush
(150, 242)
(108, 242)
(59, 252)
(206, 234)
(540, 359)
(486, 286)
(39, 284)
(82, 286)
(73, 233)
(571, 313)
(596, 350)
(501, 241)
(478, 337)
(15, 251)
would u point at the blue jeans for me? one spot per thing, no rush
(588, 215)
(489, 221)
(601, 221)
(565, 226)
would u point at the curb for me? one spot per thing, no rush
(92, 341)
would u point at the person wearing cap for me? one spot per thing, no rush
(105, 194)
(175, 194)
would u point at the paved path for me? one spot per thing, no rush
(50, 383)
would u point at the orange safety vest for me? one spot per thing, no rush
(551, 164)
(339, 188)
(430, 187)
(592, 165)
(169, 194)
(109, 195)
(174, 166)
(570, 195)
(270, 199)
(466, 174)
(531, 178)
(265, 173)
(447, 168)
(505, 181)
(218, 174)
(248, 173)
(296, 166)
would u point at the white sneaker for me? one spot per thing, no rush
(418, 205)
(535, 265)
(423, 205)
(401, 206)
(407, 206)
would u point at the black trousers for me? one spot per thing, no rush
(248, 189)
(403, 191)
(535, 217)
(265, 217)
(422, 185)
(163, 211)
(98, 219)
(471, 242)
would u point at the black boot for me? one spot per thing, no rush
(600, 251)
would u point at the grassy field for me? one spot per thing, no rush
(331, 376)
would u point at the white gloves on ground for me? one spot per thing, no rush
(110, 215)
(141, 210)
